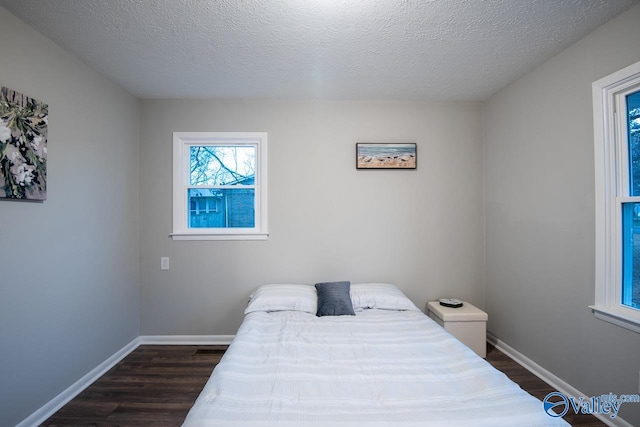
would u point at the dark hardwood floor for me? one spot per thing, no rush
(156, 385)
(534, 385)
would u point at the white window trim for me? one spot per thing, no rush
(181, 143)
(611, 191)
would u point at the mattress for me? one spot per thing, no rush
(377, 368)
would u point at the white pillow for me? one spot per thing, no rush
(379, 295)
(283, 298)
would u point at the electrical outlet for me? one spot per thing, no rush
(164, 263)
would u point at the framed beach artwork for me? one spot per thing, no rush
(370, 155)
(23, 147)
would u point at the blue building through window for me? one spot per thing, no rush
(222, 207)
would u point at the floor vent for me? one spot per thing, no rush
(209, 351)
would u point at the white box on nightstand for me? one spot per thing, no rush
(467, 323)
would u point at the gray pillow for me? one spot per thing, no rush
(334, 299)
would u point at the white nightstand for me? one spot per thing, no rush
(467, 323)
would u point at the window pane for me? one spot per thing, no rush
(631, 211)
(631, 255)
(222, 165)
(221, 208)
(633, 120)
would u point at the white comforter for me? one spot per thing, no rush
(378, 368)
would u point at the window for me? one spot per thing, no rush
(616, 106)
(219, 186)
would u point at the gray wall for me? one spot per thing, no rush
(69, 294)
(422, 229)
(539, 180)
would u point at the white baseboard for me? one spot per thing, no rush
(548, 377)
(50, 408)
(186, 339)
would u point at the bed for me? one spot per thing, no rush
(387, 364)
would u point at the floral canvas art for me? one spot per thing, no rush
(23, 146)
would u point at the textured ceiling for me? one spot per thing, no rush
(338, 49)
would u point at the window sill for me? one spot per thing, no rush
(616, 317)
(226, 236)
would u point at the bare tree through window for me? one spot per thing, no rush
(221, 165)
